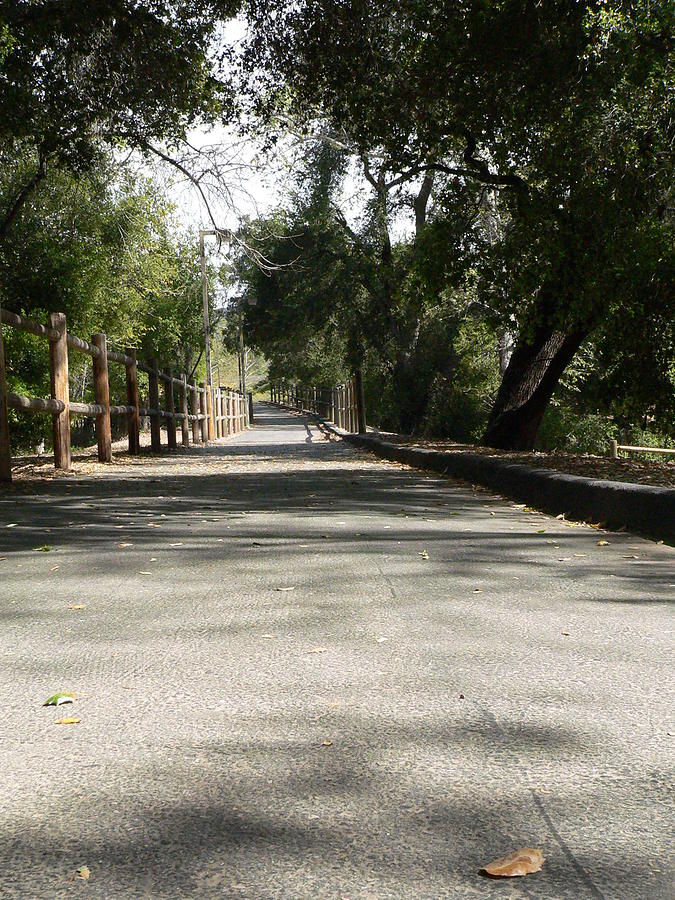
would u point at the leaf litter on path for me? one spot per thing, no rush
(58, 699)
(521, 862)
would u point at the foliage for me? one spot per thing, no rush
(102, 248)
(565, 110)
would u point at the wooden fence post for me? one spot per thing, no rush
(184, 424)
(250, 407)
(58, 370)
(221, 413)
(155, 421)
(203, 423)
(102, 397)
(132, 400)
(360, 401)
(194, 408)
(5, 454)
(170, 421)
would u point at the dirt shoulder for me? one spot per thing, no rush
(633, 470)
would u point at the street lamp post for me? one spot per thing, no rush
(219, 232)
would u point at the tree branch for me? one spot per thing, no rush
(22, 196)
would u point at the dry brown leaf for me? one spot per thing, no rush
(124, 545)
(76, 606)
(603, 543)
(54, 568)
(84, 873)
(145, 573)
(520, 862)
(566, 633)
(68, 720)
(326, 743)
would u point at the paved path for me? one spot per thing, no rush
(513, 689)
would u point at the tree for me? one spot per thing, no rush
(78, 78)
(565, 109)
(104, 248)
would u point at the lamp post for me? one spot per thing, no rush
(220, 233)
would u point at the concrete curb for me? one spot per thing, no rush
(642, 508)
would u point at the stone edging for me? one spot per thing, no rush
(642, 508)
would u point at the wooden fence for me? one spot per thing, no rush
(342, 405)
(614, 448)
(209, 412)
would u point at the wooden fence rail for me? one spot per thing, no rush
(206, 412)
(343, 404)
(629, 448)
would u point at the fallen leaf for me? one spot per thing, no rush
(45, 548)
(318, 650)
(285, 588)
(68, 720)
(54, 568)
(477, 591)
(84, 873)
(602, 543)
(424, 554)
(541, 531)
(60, 698)
(520, 862)
(461, 697)
(76, 606)
(566, 633)
(145, 573)
(326, 743)
(123, 546)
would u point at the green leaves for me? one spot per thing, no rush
(59, 699)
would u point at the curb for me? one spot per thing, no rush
(641, 508)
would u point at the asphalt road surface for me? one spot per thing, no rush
(306, 673)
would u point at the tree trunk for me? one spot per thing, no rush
(21, 198)
(529, 381)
